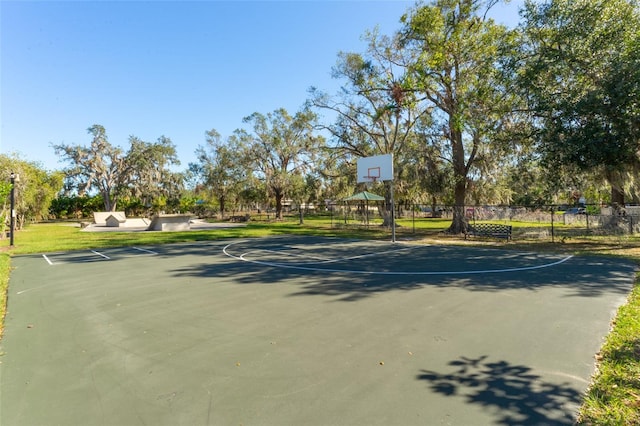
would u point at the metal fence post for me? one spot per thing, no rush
(587, 217)
(413, 217)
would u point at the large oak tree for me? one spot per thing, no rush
(281, 149)
(457, 65)
(219, 167)
(143, 171)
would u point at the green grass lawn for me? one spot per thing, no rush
(614, 396)
(5, 261)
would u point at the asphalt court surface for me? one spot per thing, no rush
(300, 330)
(376, 258)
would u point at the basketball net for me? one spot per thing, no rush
(371, 180)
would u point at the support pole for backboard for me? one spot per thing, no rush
(393, 213)
(14, 178)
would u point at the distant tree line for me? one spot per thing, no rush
(473, 112)
(35, 189)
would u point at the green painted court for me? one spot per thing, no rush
(298, 330)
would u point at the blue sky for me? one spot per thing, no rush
(168, 68)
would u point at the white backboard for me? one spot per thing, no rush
(375, 169)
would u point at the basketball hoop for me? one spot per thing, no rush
(372, 169)
(372, 176)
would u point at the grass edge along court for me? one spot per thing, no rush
(612, 398)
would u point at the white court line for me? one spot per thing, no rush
(29, 289)
(144, 250)
(100, 254)
(50, 262)
(355, 271)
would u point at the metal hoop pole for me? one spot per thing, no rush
(13, 208)
(393, 215)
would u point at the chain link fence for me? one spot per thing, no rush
(528, 222)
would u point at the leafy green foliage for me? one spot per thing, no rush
(581, 76)
(34, 189)
(220, 168)
(281, 149)
(458, 67)
(66, 207)
(143, 171)
(376, 111)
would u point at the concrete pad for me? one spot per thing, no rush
(297, 330)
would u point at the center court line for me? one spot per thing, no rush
(355, 271)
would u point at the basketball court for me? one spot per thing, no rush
(304, 330)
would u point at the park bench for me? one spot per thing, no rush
(243, 218)
(488, 230)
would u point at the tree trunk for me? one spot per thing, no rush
(617, 196)
(279, 196)
(459, 222)
(221, 201)
(109, 206)
(109, 200)
(616, 180)
(387, 217)
(386, 214)
(20, 220)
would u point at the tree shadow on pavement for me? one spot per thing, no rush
(514, 392)
(351, 271)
